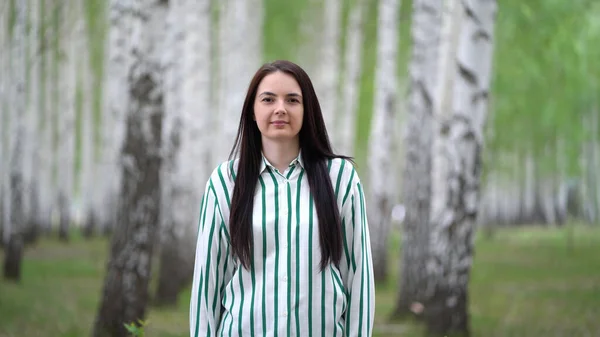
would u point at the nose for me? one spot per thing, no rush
(280, 108)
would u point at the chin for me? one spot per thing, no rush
(282, 136)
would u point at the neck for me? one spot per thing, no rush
(280, 153)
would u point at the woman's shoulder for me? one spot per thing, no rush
(222, 179)
(342, 170)
(225, 170)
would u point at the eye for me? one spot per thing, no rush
(267, 99)
(294, 100)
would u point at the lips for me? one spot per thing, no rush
(279, 123)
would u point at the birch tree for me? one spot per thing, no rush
(352, 70)
(456, 168)
(381, 136)
(66, 116)
(186, 133)
(13, 229)
(416, 181)
(33, 121)
(327, 79)
(5, 116)
(125, 293)
(116, 100)
(240, 55)
(49, 33)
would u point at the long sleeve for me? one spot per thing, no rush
(359, 279)
(212, 269)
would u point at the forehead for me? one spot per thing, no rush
(279, 82)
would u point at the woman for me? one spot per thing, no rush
(283, 242)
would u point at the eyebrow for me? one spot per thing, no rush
(291, 94)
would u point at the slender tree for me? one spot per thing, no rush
(13, 229)
(186, 133)
(462, 101)
(416, 186)
(125, 293)
(381, 137)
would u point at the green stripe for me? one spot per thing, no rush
(231, 169)
(290, 172)
(289, 259)
(353, 231)
(200, 215)
(346, 252)
(214, 304)
(298, 252)
(231, 308)
(199, 301)
(337, 280)
(348, 188)
(221, 289)
(334, 300)
(364, 261)
(310, 264)
(252, 298)
(323, 304)
(264, 272)
(339, 179)
(224, 185)
(209, 257)
(364, 253)
(276, 275)
(241, 288)
(329, 161)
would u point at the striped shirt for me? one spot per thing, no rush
(284, 293)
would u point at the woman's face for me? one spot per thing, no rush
(278, 108)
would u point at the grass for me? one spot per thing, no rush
(525, 282)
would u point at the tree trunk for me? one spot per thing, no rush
(327, 78)
(240, 55)
(34, 126)
(115, 98)
(416, 186)
(186, 128)
(352, 72)
(5, 119)
(381, 136)
(47, 151)
(456, 167)
(125, 293)
(14, 228)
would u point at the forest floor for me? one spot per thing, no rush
(525, 282)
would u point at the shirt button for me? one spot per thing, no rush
(284, 279)
(285, 314)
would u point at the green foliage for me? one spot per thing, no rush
(544, 79)
(136, 329)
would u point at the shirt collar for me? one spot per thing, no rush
(265, 162)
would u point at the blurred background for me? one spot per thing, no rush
(474, 126)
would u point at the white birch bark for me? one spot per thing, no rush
(5, 127)
(48, 153)
(115, 100)
(125, 293)
(327, 79)
(346, 128)
(240, 55)
(416, 186)
(381, 168)
(34, 120)
(456, 166)
(67, 80)
(87, 186)
(17, 91)
(187, 137)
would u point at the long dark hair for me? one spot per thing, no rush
(316, 149)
